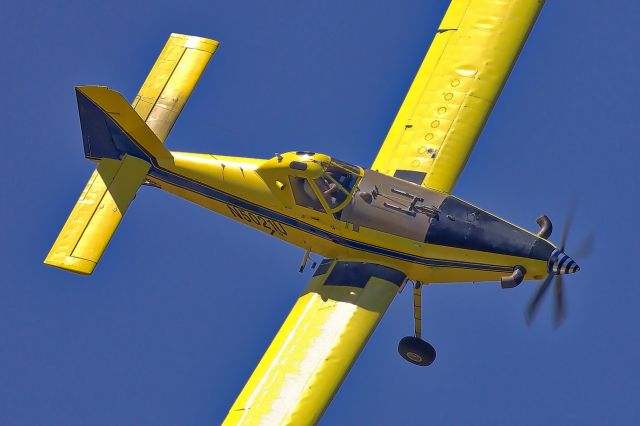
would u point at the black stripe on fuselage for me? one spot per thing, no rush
(126, 142)
(215, 194)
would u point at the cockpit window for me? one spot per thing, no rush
(344, 174)
(337, 181)
(335, 185)
(346, 166)
(330, 190)
(304, 194)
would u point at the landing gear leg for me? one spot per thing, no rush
(413, 348)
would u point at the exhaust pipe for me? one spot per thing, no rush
(545, 227)
(514, 279)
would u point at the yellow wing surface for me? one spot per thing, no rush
(455, 89)
(97, 214)
(171, 81)
(317, 344)
(113, 185)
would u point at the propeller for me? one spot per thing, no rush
(555, 276)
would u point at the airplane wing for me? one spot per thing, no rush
(317, 344)
(170, 82)
(455, 89)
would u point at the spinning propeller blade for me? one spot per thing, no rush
(559, 312)
(537, 297)
(586, 246)
(559, 265)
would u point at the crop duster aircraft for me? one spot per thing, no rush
(376, 228)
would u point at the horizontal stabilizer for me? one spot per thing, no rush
(171, 81)
(97, 214)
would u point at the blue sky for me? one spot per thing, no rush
(184, 303)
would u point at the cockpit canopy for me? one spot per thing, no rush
(334, 186)
(317, 181)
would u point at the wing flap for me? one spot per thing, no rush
(455, 89)
(317, 344)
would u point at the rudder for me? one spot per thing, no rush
(112, 128)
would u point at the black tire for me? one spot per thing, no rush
(416, 351)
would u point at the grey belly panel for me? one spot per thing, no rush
(395, 206)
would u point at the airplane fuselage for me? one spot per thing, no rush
(432, 237)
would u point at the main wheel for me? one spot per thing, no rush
(416, 351)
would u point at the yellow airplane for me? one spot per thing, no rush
(376, 228)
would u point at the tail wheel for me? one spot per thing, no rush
(416, 351)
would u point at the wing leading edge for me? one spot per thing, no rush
(317, 344)
(455, 89)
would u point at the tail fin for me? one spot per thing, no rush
(112, 128)
(115, 135)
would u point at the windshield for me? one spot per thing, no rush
(337, 164)
(337, 182)
(344, 174)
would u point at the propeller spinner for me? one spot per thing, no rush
(559, 264)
